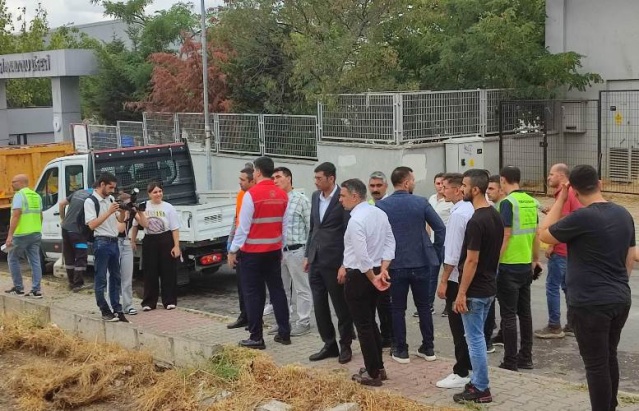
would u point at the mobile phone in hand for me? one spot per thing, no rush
(537, 272)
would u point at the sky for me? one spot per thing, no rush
(61, 12)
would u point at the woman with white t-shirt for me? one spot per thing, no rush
(160, 249)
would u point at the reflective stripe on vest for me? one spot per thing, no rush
(30, 221)
(266, 226)
(524, 228)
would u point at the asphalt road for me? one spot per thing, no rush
(556, 358)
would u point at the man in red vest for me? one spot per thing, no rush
(259, 236)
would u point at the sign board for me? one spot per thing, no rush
(80, 138)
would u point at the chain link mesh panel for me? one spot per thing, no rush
(191, 127)
(238, 133)
(442, 114)
(103, 137)
(131, 133)
(290, 136)
(494, 97)
(359, 118)
(159, 128)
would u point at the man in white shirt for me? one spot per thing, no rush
(369, 247)
(461, 212)
(106, 251)
(442, 207)
(378, 187)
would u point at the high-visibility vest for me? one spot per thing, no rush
(30, 221)
(266, 227)
(524, 228)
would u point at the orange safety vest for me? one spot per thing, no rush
(266, 227)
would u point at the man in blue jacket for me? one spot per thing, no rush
(408, 215)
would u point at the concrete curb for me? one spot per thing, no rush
(171, 350)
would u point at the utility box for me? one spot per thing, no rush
(465, 153)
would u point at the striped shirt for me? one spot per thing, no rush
(298, 218)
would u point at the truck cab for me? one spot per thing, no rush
(204, 225)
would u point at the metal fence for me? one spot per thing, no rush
(409, 117)
(619, 136)
(103, 137)
(130, 133)
(535, 134)
(159, 128)
(288, 136)
(191, 128)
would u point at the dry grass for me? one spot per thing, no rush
(78, 373)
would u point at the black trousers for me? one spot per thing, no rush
(75, 251)
(361, 297)
(240, 294)
(513, 292)
(385, 315)
(257, 269)
(598, 330)
(160, 270)
(489, 325)
(462, 358)
(324, 283)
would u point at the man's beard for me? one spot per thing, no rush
(468, 197)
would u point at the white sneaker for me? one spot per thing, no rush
(453, 381)
(268, 309)
(170, 307)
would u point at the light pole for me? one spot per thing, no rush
(205, 86)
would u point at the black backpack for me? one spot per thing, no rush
(85, 231)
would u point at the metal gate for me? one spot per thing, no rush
(619, 133)
(535, 134)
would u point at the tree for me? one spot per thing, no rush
(466, 44)
(177, 81)
(258, 67)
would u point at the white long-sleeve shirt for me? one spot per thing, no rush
(245, 221)
(368, 238)
(460, 213)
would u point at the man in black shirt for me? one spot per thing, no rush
(601, 251)
(477, 286)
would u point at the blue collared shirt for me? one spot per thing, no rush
(408, 215)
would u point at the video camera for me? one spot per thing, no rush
(129, 201)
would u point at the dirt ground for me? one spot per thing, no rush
(11, 363)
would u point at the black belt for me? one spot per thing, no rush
(293, 247)
(106, 238)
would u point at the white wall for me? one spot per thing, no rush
(605, 32)
(351, 162)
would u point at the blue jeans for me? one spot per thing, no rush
(555, 280)
(418, 279)
(106, 256)
(28, 245)
(474, 329)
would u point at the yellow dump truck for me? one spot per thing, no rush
(29, 160)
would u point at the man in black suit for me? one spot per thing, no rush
(324, 255)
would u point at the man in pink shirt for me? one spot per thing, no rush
(557, 257)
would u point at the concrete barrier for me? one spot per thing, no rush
(175, 351)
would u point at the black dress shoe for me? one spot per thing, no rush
(256, 345)
(525, 365)
(345, 355)
(240, 322)
(382, 373)
(282, 340)
(324, 353)
(366, 379)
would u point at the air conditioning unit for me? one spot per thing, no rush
(623, 164)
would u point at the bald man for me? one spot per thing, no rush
(25, 235)
(557, 261)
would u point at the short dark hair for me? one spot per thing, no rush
(265, 165)
(106, 178)
(284, 170)
(249, 172)
(400, 174)
(478, 178)
(454, 178)
(153, 185)
(584, 179)
(494, 179)
(511, 174)
(327, 168)
(355, 186)
(438, 175)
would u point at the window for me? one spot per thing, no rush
(74, 176)
(48, 188)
